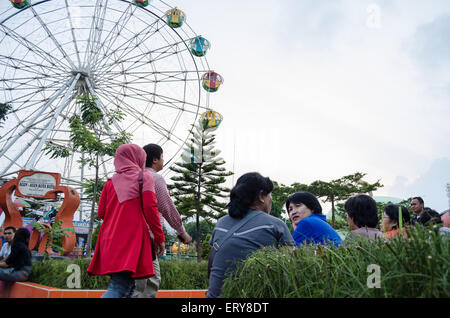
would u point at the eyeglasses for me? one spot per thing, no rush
(8, 233)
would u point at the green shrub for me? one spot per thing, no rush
(183, 274)
(53, 273)
(174, 274)
(206, 248)
(415, 266)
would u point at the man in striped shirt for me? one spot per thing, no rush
(147, 288)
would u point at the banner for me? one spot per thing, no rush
(82, 227)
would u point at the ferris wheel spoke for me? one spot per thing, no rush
(24, 94)
(139, 57)
(167, 76)
(52, 37)
(165, 101)
(32, 47)
(131, 44)
(29, 83)
(69, 17)
(15, 160)
(144, 119)
(115, 31)
(31, 104)
(95, 32)
(29, 129)
(144, 80)
(26, 84)
(138, 39)
(138, 60)
(150, 77)
(137, 64)
(106, 95)
(155, 77)
(27, 66)
(27, 98)
(168, 101)
(104, 110)
(62, 105)
(28, 80)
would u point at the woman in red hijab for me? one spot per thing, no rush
(124, 249)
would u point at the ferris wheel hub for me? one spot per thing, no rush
(82, 73)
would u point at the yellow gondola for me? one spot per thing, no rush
(175, 18)
(211, 119)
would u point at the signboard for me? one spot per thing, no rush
(27, 221)
(36, 184)
(82, 227)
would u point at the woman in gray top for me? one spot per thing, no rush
(251, 200)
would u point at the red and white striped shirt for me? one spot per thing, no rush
(166, 207)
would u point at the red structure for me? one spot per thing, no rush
(35, 184)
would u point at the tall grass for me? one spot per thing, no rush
(414, 266)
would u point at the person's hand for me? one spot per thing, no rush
(185, 238)
(160, 249)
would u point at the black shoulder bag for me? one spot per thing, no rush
(152, 237)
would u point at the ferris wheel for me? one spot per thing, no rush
(136, 56)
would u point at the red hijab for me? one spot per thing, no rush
(128, 161)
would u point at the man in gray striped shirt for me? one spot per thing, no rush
(148, 288)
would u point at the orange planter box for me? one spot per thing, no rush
(33, 290)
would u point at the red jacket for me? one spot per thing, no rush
(123, 242)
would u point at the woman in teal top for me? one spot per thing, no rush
(305, 213)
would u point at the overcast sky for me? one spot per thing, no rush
(321, 89)
(318, 89)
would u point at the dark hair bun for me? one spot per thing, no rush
(246, 191)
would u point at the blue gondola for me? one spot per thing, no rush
(199, 46)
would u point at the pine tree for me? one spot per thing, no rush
(198, 186)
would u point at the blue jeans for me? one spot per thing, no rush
(121, 285)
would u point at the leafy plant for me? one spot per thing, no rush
(55, 234)
(206, 247)
(95, 235)
(4, 109)
(89, 186)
